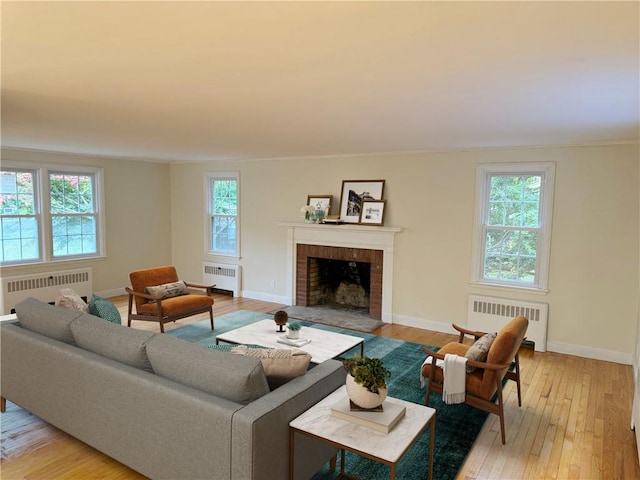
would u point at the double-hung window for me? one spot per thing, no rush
(50, 213)
(513, 225)
(223, 214)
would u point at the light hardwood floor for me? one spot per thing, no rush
(574, 421)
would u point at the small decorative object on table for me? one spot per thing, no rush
(294, 330)
(281, 318)
(366, 381)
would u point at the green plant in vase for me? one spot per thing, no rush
(294, 329)
(366, 382)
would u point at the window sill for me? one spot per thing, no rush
(510, 288)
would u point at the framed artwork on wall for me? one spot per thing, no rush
(353, 193)
(372, 212)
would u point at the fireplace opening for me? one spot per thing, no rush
(322, 269)
(340, 283)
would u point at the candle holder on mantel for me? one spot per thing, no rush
(281, 318)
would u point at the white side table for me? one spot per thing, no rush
(386, 448)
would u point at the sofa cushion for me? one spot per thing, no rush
(234, 377)
(117, 342)
(280, 364)
(45, 319)
(69, 298)
(103, 308)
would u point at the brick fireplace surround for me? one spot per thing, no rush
(374, 257)
(368, 243)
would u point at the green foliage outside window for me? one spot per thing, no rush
(224, 215)
(72, 211)
(73, 223)
(512, 228)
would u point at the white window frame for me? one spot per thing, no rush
(209, 179)
(43, 210)
(543, 250)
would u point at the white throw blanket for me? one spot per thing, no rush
(428, 360)
(455, 373)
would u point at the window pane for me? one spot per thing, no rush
(19, 239)
(223, 236)
(73, 235)
(510, 255)
(16, 193)
(514, 201)
(71, 193)
(225, 200)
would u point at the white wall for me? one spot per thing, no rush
(156, 215)
(594, 259)
(138, 218)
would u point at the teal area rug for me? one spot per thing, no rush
(457, 426)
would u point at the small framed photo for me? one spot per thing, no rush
(354, 192)
(372, 212)
(322, 201)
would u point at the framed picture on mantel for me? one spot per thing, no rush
(372, 212)
(323, 202)
(354, 192)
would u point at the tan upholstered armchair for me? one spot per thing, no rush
(483, 383)
(157, 300)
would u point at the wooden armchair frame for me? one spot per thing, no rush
(496, 373)
(159, 312)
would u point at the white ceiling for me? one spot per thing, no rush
(234, 80)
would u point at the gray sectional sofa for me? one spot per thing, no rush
(164, 407)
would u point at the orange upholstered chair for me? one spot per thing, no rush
(153, 293)
(483, 383)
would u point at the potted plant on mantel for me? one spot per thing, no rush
(366, 381)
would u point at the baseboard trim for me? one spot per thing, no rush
(590, 352)
(558, 347)
(408, 321)
(115, 292)
(265, 297)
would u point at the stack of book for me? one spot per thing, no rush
(382, 419)
(298, 342)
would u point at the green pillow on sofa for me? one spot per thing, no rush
(103, 308)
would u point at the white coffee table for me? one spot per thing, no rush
(323, 346)
(387, 448)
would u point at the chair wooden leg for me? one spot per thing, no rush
(161, 326)
(500, 408)
(333, 462)
(130, 310)
(517, 362)
(3, 404)
(211, 317)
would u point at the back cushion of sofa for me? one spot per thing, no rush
(117, 342)
(45, 319)
(234, 377)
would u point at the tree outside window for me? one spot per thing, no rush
(223, 215)
(513, 224)
(68, 215)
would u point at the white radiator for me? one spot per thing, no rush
(225, 277)
(44, 286)
(490, 314)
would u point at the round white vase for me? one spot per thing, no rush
(363, 397)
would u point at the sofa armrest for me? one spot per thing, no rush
(260, 430)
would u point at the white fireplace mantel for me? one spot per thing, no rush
(349, 236)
